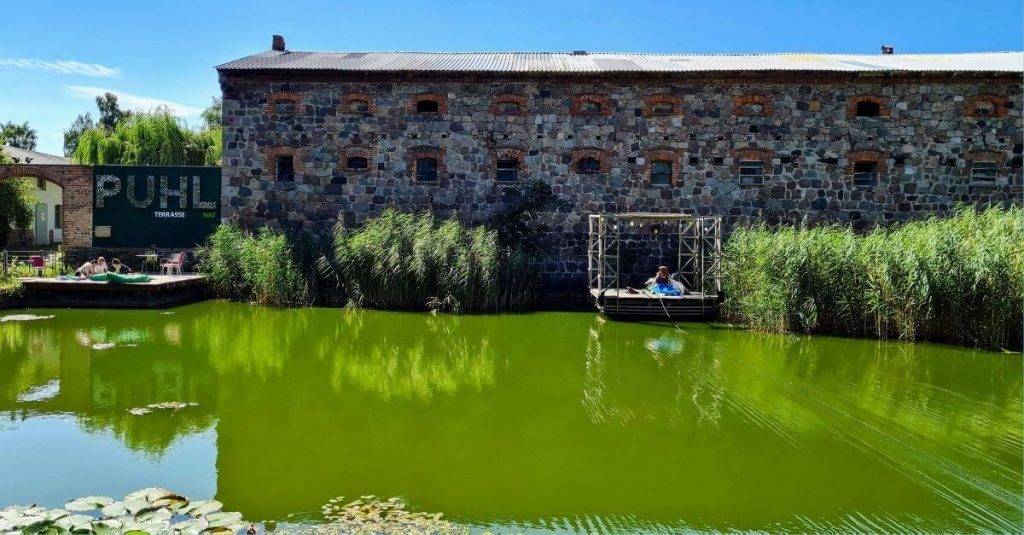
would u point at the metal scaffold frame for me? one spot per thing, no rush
(699, 250)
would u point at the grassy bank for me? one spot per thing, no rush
(955, 280)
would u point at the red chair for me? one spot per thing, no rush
(38, 264)
(173, 264)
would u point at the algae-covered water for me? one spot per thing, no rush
(546, 421)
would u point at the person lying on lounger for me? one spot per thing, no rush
(117, 267)
(85, 271)
(100, 265)
(662, 284)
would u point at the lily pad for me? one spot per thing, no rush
(150, 493)
(88, 503)
(203, 507)
(223, 519)
(114, 509)
(74, 522)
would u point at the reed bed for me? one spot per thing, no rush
(958, 279)
(256, 267)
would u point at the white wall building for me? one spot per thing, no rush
(46, 226)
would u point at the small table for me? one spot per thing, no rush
(147, 259)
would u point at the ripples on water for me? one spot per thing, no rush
(547, 422)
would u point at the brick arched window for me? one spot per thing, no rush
(508, 165)
(662, 167)
(985, 166)
(426, 164)
(357, 160)
(662, 105)
(508, 105)
(428, 103)
(591, 105)
(283, 103)
(867, 106)
(751, 106)
(357, 104)
(752, 166)
(865, 168)
(589, 161)
(985, 106)
(283, 164)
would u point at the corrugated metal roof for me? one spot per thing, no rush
(33, 157)
(547, 62)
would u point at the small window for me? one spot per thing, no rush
(984, 108)
(426, 106)
(58, 216)
(357, 163)
(868, 108)
(663, 108)
(661, 173)
(984, 173)
(591, 107)
(588, 166)
(753, 109)
(751, 172)
(284, 106)
(865, 173)
(426, 169)
(284, 168)
(509, 108)
(508, 170)
(41, 184)
(358, 106)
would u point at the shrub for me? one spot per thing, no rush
(958, 279)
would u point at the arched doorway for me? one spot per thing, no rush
(75, 193)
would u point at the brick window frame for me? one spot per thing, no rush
(270, 161)
(506, 99)
(654, 101)
(753, 154)
(674, 156)
(998, 103)
(441, 100)
(346, 101)
(600, 155)
(505, 154)
(883, 105)
(283, 96)
(357, 152)
(866, 156)
(740, 102)
(436, 153)
(985, 156)
(579, 100)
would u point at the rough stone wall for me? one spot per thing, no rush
(803, 130)
(76, 181)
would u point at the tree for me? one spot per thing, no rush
(211, 115)
(153, 138)
(17, 197)
(22, 135)
(71, 135)
(110, 112)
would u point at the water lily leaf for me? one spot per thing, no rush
(108, 526)
(203, 507)
(149, 493)
(114, 509)
(154, 514)
(218, 529)
(56, 513)
(223, 519)
(193, 524)
(136, 506)
(88, 503)
(172, 503)
(71, 522)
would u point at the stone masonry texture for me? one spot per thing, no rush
(803, 129)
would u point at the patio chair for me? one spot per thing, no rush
(38, 264)
(173, 264)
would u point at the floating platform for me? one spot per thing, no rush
(161, 292)
(620, 304)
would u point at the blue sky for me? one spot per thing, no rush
(55, 55)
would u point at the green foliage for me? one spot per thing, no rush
(156, 138)
(82, 123)
(958, 279)
(257, 267)
(17, 201)
(22, 135)
(413, 262)
(111, 113)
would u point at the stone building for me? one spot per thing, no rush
(314, 137)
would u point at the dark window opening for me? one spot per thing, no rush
(509, 108)
(508, 170)
(591, 107)
(751, 172)
(984, 109)
(58, 217)
(426, 106)
(41, 184)
(426, 169)
(358, 106)
(284, 168)
(753, 108)
(868, 108)
(661, 173)
(284, 106)
(663, 108)
(865, 173)
(984, 172)
(588, 166)
(357, 163)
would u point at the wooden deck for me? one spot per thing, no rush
(161, 292)
(619, 304)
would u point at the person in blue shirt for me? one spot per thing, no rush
(662, 284)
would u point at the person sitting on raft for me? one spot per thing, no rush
(85, 271)
(100, 266)
(117, 267)
(662, 284)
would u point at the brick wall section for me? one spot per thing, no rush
(923, 141)
(76, 201)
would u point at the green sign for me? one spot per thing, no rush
(154, 206)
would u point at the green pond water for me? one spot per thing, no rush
(546, 421)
